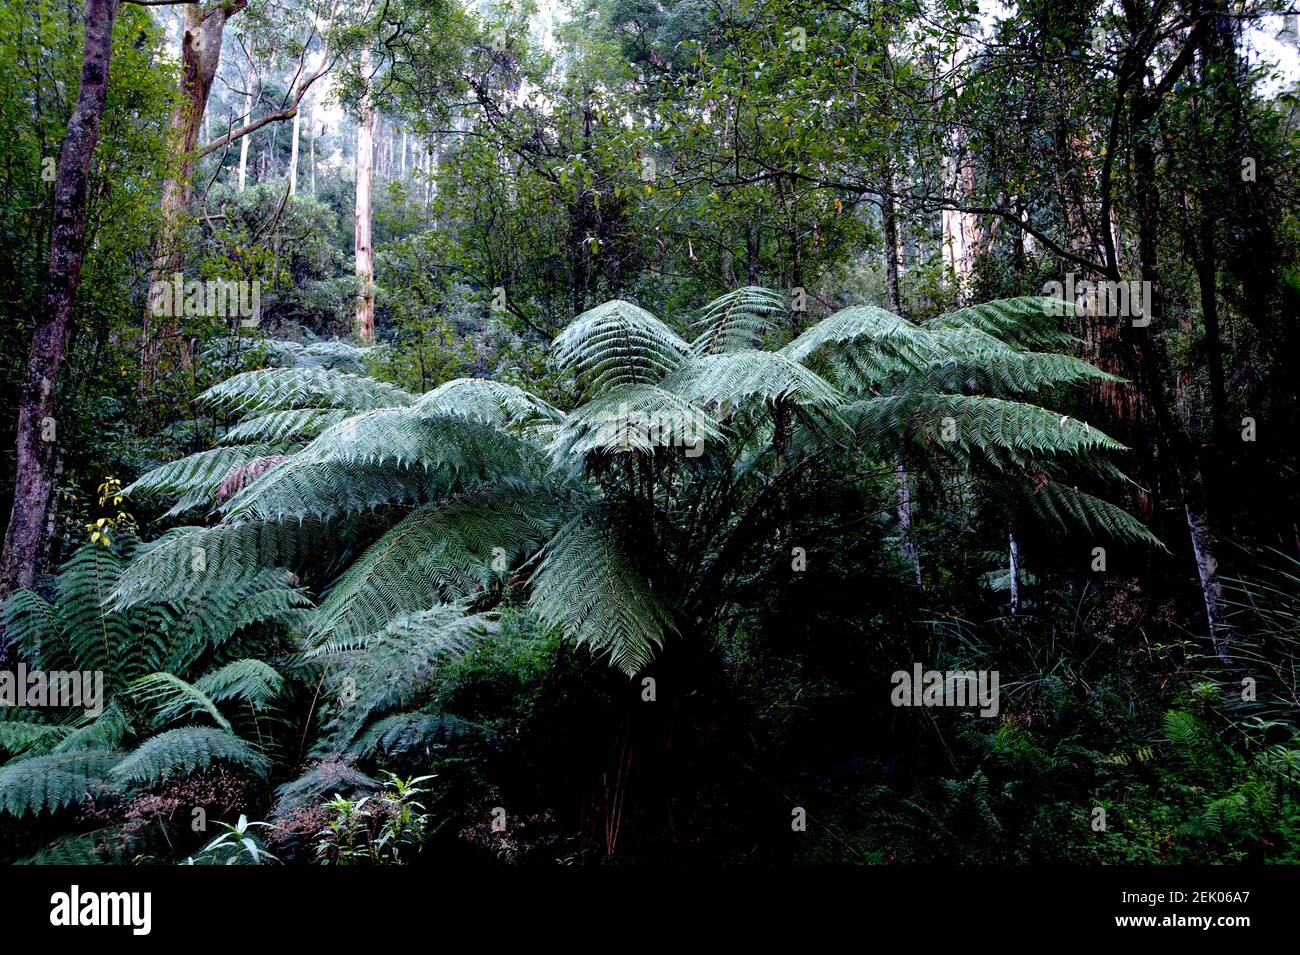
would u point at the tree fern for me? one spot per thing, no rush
(251, 681)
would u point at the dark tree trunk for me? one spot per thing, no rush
(889, 230)
(1148, 342)
(34, 475)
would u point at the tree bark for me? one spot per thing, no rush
(889, 230)
(365, 262)
(1149, 344)
(36, 432)
(250, 101)
(293, 153)
(200, 56)
(1013, 561)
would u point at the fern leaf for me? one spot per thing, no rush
(186, 750)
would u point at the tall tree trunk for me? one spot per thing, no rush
(293, 153)
(1154, 362)
(200, 55)
(365, 263)
(889, 227)
(36, 433)
(889, 230)
(1013, 561)
(1219, 78)
(250, 101)
(313, 131)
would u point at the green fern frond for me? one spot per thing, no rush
(588, 587)
(638, 418)
(488, 402)
(1030, 321)
(109, 846)
(380, 457)
(106, 732)
(959, 423)
(18, 737)
(280, 389)
(738, 320)
(393, 667)
(186, 750)
(189, 562)
(249, 680)
(1068, 506)
(617, 343)
(330, 775)
(436, 554)
(196, 478)
(738, 377)
(48, 783)
(172, 698)
(281, 427)
(32, 623)
(1183, 729)
(411, 732)
(96, 639)
(866, 330)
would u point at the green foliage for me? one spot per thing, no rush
(237, 845)
(384, 829)
(180, 688)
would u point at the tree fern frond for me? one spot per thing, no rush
(738, 377)
(437, 554)
(394, 666)
(32, 622)
(974, 365)
(107, 846)
(18, 737)
(252, 681)
(738, 320)
(617, 343)
(186, 750)
(280, 427)
(50, 782)
(378, 457)
(409, 732)
(331, 775)
(959, 423)
(188, 562)
(1031, 321)
(172, 698)
(97, 639)
(588, 586)
(280, 389)
(630, 418)
(197, 477)
(106, 732)
(1068, 506)
(489, 402)
(866, 330)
